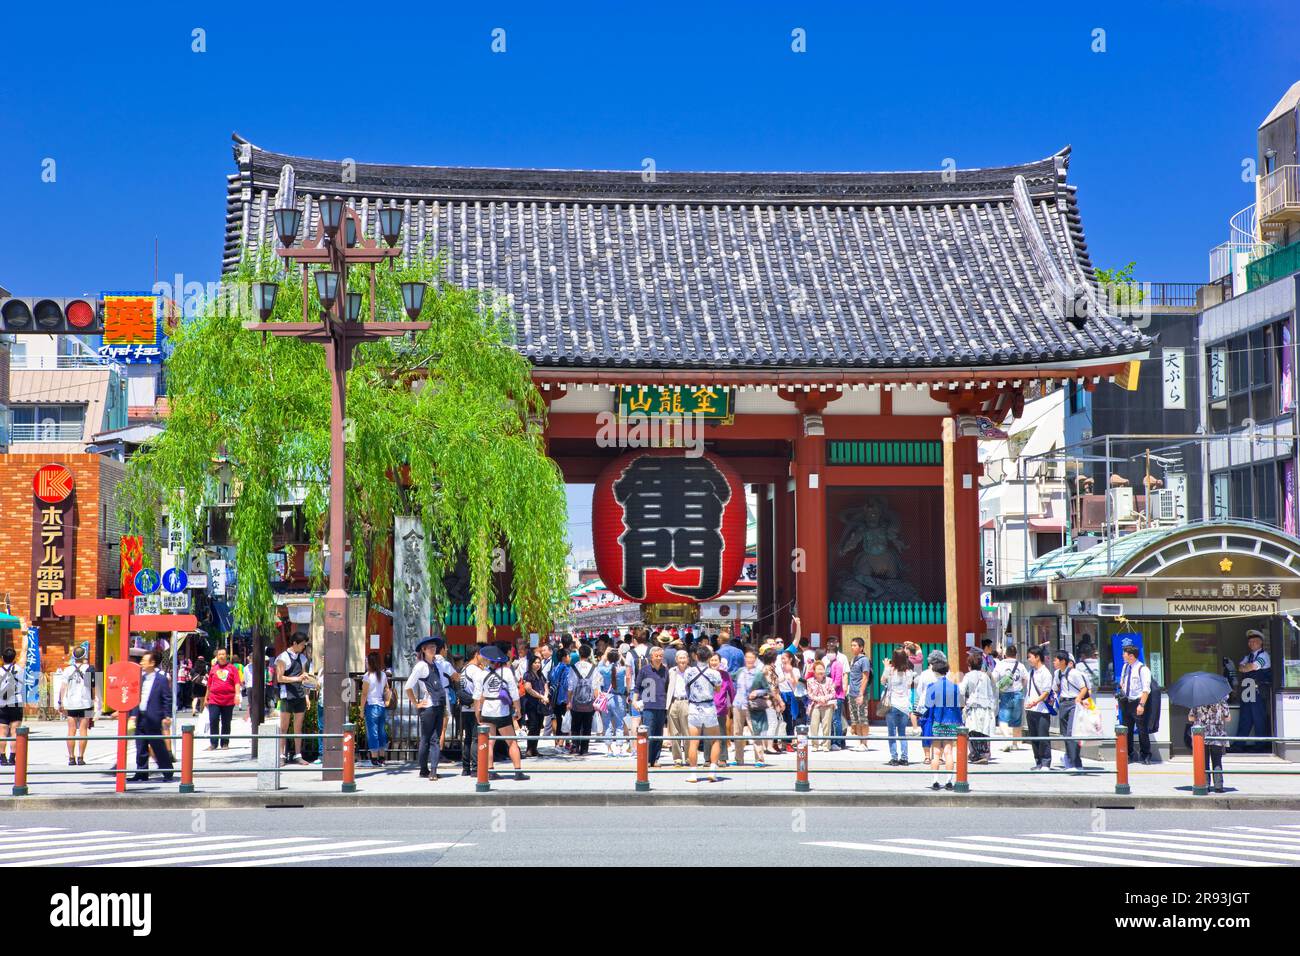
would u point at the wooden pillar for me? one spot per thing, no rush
(950, 541)
(763, 620)
(783, 548)
(809, 472)
(970, 614)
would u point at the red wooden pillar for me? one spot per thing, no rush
(783, 542)
(763, 623)
(970, 616)
(809, 472)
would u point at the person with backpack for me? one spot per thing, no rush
(1134, 691)
(77, 703)
(559, 684)
(1011, 678)
(11, 704)
(943, 713)
(981, 705)
(293, 680)
(1070, 688)
(701, 682)
(614, 685)
(496, 705)
(428, 695)
(582, 700)
(461, 694)
(1039, 709)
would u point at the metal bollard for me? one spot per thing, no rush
(350, 758)
(269, 754)
(962, 784)
(1121, 761)
(1199, 783)
(187, 758)
(801, 784)
(484, 759)
(642, 759)
(20, 762)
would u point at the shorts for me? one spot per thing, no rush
(499, 722)
(293, 705)
(1011, 708)
(859, 713)
(702, 716)
(79, 713)
(11, 715)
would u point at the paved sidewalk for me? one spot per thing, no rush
(844, 772)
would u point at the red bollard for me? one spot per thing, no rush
(642, 759)
(121, 751)
(801, 784)
(20, 762)
(962, 783)
(1121, 761)
(187, 758)
(484, 759)
(350, 758)
(1199, 784)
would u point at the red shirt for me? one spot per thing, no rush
(223, 683)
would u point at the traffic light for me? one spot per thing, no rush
(42, 315)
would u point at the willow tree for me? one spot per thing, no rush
(454, 408)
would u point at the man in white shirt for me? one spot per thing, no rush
(678, 708)
(428, 694)
(496, 705)
(471, 676)
(1037, 716)
(77, 703)
(1069, 685)
(1134, 690)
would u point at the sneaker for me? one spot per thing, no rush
(72, 761)
(902, 761)
(1007, 750)
(893, 761)
(934, 786)
(692, 779)
(81, 761)
(1037, 766)
(424, 773)
(520, 775)
(947, 786)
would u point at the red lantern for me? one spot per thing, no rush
(668, 528)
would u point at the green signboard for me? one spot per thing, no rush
(710, 402)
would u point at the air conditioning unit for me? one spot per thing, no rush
(1110, 610)
(1162, 506)
(1121, 504)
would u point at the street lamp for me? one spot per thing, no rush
(327, 288)
(390, 224)
(413, 298)
(287, 222)
(354, 306)
(264, 298)
(331, 214)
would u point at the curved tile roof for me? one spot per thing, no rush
(967, 268)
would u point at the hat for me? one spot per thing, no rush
(663, 637)
(428, 640)
(1254, 632)
(79, 653)
(937, 657)
(494, 655)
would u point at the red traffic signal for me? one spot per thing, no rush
(44, 315)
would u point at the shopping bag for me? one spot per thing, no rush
(1087, 721)
(566, 724)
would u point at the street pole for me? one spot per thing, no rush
(257, 693)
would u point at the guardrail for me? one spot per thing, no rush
(1201, 773)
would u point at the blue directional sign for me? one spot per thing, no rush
(146, 581)
(174, 581)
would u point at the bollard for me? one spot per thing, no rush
(269, 755)
(642, 759)
(121, 751)
(801, 784)
(962, 785)
(484, 759)
(20, 762)
(350, 758)
(1121, 760)
(1199, 787)
(187, 758)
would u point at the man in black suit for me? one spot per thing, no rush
(153, 716)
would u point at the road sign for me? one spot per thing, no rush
(123, 686)
(174, 581)
(146, 580)
(175, 602)
(147, 604)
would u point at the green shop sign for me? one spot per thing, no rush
(709, 402)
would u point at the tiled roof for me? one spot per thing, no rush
(761, 270)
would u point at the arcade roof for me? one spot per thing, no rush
(931, 269)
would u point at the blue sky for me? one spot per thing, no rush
(139, 125)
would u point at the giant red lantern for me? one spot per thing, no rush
(668, 528)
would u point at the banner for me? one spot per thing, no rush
(132, 551)
(32, 666)
(412, 602)
(54, 546)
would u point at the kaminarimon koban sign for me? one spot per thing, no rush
(669, 528)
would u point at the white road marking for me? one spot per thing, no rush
(1245, 839)
(188, 858)
(1292, 839)
(348, 854)
(137, 853)
(1037, 854)
(7, 841)
(102, 843)
(1127, 848)
(933, 854)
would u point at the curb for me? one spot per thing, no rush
(823, 799)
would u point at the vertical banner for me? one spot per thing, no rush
(1288, 496)
(53, 539)
(32, 666)
(1287, 384)
(1173, 374)
(412, 602)
(132, 551)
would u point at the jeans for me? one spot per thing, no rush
(430, 727)
(1214, 758)
(1040, 725)
(614, 717)
(376, 728)
(897, 721)
(219, 722)
(655, 721)
(837, 722)
(791, 714)
(468, 741)
(1065, 714)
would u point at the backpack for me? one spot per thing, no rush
(9, 683)
(583, 698)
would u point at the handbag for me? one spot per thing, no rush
(600, 701)
(883, 707)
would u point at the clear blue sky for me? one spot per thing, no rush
(139, 125)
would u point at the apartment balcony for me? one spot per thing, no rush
(71, 432)
(1243, 246)
(1276, 265)
(45, 363)
(1279, 202)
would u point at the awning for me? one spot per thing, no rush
(1046, 524)
(10, 623)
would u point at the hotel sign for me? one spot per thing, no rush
(53, 539)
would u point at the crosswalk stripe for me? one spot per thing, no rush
(4, 831)
(245, 854)
(47, 838)
(1175, 843)
(85, 858)
(1206, 839)
(1293, 838)
(103, 843)
(377, 851)
(1037, 854)
(1129, 848)
(1245, 839)
(934, 854)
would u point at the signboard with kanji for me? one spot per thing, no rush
(131, 328)
(709, 402)
(123, 691)
(53, 538)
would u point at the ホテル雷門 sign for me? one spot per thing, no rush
(53, 539)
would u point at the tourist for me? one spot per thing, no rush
(679, 707)
(1214, 718)
(897, 697)
(199, 684)
(428, 695)
(1038, 716)
(701, 681)
(730, 651)
(294, 681)
(859, 681)
(77, 703)
(11, 705)
(981, 705)
(496, 706)
(224, 687)
(1011, 678)
(184, 689)
(1070, 688)
(943, 707)
(1089, 666)
(466, 685)
(919, 688)
(534, 695)
(650, 699)
(723, 700)
(787, 681)
(742, 682)
(559, 686)
(378, 697)
(582, 688)
(821, 700)
(837, 669)
(1134, 691)
(614, 681)
(153, 720)
(987, 659)
(761, 703)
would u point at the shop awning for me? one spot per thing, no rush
(10, 623)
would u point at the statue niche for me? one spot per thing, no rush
(871, 535)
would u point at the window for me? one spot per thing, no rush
(1219, 495)
(1246, 377)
